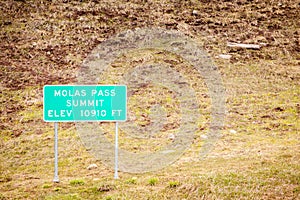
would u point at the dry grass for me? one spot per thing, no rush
(257, 156)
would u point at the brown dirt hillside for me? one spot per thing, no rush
(45, 42)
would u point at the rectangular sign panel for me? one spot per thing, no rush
(69, 103)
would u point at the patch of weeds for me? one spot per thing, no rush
(2, 197)
(109, 198)
(295, 190)
(174, 184)
(235, 194)
(76, 182)
(64, 197)
(45, 186)
(153, 181)
(231, 179)
(93, 190)
(31, 114)
(5, 178)
(132, 180)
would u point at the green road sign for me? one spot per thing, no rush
(69, 103)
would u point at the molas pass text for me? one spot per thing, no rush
(65, 103)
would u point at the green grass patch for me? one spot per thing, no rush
(74, 196)
(174, 184)
(77, 182)
(132, 180)
(153, 181)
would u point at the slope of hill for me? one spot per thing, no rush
(257, 156)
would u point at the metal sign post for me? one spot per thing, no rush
(56, 179)
(86, 103)
(116, 152)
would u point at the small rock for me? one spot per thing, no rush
(171, 136)
(225, 56)
(92, 166)
(195, 12)
(232, 131)
(203, 136)
(263, 44)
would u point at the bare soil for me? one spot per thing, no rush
(45, 42)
